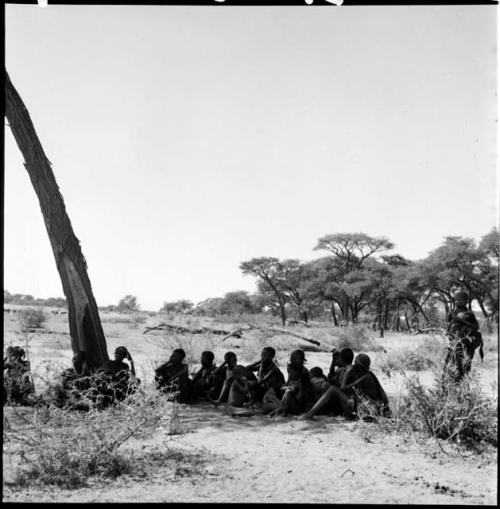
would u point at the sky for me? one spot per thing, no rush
(186, 140)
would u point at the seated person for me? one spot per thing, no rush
(172, 377)
(203, 380)
(357, 380)
(298, 392)
(239, 393)
(76, 385)
(223, 378)
(18, 385)
(360, 381)
(341, 361)
(319, 382)
(269, 376)
(113, 379)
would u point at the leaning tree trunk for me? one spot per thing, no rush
(84, 322)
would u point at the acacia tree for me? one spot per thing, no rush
(352, 280)
(84, 322)
(269, 270)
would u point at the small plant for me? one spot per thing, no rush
(31, 318)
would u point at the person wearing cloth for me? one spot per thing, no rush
(172, 377)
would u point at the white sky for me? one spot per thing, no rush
(186, 140)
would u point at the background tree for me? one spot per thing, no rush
(270, 273)
(182, 306)
(128, 304)
(84, 322)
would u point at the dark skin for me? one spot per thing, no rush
(174, 366)
(230, 362)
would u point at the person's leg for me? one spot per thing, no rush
(333, 398)
(270, 401)
(224, 394)
(237, 395)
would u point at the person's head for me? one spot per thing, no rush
(346, 356)
(267, 355)
(317, 372)
(335, 356)
(231, 359)
(121, 353)
(78, 361)
(207, 359)
(10, 351)
(297, 358)
(362, 360)
(177, 356)
(461, 299)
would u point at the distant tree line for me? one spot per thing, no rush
(29, 300)
(359, 281)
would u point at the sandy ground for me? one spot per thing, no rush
(258, 459)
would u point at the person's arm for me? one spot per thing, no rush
(253, 367)
(197, 375)
(220, 369)
(132, 368)
(182, 371)
(469, 320)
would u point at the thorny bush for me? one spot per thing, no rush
(67, 448)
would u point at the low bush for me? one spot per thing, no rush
(68, 448)
(356, 337)
(31, 318)
(455, 412)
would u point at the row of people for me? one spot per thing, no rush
(263, 385)
(259, 385)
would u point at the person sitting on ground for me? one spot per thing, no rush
(464, 336)
(223, 378)
(360, 381)
(357, 381)
(340, 364)
(75, 386)
(319, 382)
(115, 379)
(203, 380)
(239, 393)
(298, 392)
(269, 376)
(18, 385)
(172, 377)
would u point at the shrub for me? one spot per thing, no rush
(456, 412)
(67, 448)
(31, 318)
(356, 337)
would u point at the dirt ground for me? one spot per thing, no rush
(257, 459)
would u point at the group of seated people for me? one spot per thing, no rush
(262, 386)
(245, 390)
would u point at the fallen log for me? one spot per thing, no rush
(180, 329)
(283, 331)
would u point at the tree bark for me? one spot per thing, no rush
(334, 315)
(84, 322)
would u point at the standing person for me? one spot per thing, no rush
(172, 376)
(464, 336)
(269, 376)
(203, 380)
